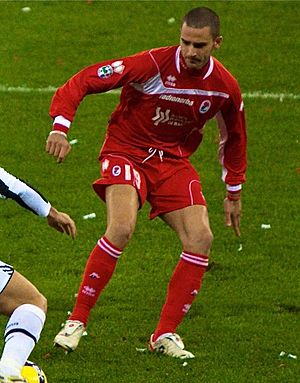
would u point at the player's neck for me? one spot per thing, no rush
(193, 71)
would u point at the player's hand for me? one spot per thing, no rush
(58, 146)
(232, 210)
(62, 222)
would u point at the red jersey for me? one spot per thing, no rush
(164, 105)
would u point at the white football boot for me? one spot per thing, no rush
(69, 336)
(170, 344)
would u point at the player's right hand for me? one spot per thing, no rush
(232, 210)
(58, 146)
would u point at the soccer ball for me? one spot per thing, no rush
(33, 373)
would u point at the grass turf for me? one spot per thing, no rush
(248, 309)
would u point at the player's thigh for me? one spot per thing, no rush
(19, 291)
(122, 203)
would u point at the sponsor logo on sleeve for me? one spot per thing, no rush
(118, 67)
(108, 70)
(205, 106)
(105, 71)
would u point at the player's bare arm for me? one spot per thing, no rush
(58, 146)
(61, 222)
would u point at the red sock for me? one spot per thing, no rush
(183, 288)
(98, 271)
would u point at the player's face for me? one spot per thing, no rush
(197, 45)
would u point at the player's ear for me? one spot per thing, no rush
(218, 41)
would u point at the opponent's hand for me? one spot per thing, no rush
(58, 145)
(62, 222)
(232, 210)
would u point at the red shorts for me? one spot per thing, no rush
(168, 184)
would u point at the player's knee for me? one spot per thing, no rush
(40, 301)
(199, 240)
(207, 237)
(44, 303)
(121, 233)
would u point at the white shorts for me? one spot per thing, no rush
(6, 272)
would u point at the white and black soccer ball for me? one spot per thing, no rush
(33, 373)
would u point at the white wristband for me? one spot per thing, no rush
(58, 132)
(233, 188)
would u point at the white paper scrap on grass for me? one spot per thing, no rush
(89, 216)
(141, 349)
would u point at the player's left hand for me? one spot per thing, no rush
(232, 210)
(62, 222)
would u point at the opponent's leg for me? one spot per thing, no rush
(122, 206)
(26, 307)
(192, 226)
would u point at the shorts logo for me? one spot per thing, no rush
(105, 165)
(205, 106)
(105, 71)
(116, 170)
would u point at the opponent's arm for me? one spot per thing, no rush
(31, 199)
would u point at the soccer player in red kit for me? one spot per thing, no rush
(168, 94)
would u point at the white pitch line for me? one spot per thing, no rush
(25, 89)
(51, 89)
(47, 89)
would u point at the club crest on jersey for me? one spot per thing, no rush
(116, 170)
(205, 106)
(105, 71)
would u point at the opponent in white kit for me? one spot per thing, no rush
(19, 299)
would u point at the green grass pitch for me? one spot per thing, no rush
(249, 308)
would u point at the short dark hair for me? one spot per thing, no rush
(203, 17)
